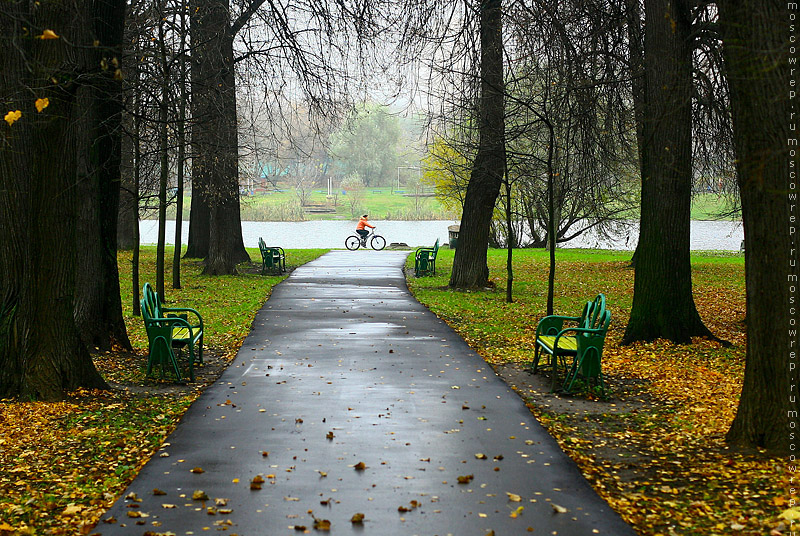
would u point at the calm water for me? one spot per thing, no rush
(706, 235)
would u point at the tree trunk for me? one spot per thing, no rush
(470, 268)
(755, 53)
(663, 305)
(215, 139)
(41, 354)
(176, 257)
(98, 305)
(128, 198)
(163, 153)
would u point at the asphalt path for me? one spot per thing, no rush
(349, 397)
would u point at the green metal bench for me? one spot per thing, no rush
(582, 343)
(169, 329)
(272, 257)
(425, 260)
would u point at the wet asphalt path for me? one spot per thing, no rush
(350, 397)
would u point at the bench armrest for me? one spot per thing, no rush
(553, 323)
(172, 321)
(183, 310)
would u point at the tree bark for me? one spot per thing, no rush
(757, 63)
(98, 305)
(470, 268)
(215, 137)
(41, 354)
(663, 305)
(128, 198)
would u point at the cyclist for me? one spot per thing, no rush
(360, 228)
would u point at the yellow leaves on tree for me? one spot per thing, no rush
(12, 117)
(15, 115)
(47, 34)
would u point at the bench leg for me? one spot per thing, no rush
(589, 360)
(162, 355)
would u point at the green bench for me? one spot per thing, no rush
(582, 343)
(169, 329)
(272, 257)
(425, 260)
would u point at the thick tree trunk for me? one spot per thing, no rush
(663, 305)
(755, 53)
(470, 268)
(215, 143)
(226, 244)
(41, 354)
(199, 213)
(98, 305)
(128, 197)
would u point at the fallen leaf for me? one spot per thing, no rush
(513, 497)
(357, 518)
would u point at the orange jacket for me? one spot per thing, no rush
(362, 222)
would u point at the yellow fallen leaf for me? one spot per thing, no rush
(517, 512)
(513, 497)
(791, 514)
(71, 510)
(41, 104)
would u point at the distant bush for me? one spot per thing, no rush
(287, 211)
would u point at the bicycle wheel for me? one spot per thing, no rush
(378, 242)
(352, 242)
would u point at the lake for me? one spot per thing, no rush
(706, 235)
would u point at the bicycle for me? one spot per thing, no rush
(376, 242)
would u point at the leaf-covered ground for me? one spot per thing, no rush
(62, 464)
(655, 450)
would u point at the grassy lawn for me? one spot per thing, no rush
(379, 203)
(63, 464)
(655, 450)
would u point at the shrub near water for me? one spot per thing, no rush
(663, 465)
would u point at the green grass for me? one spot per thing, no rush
(684, 395)
(389, 204)
(504, 330)
(379, 203)
(227, 303)
(711, 207)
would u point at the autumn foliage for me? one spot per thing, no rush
(655, 450)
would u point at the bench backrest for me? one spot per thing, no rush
(151, 304)
(592, 314)
(152, 314)
(435, 248)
